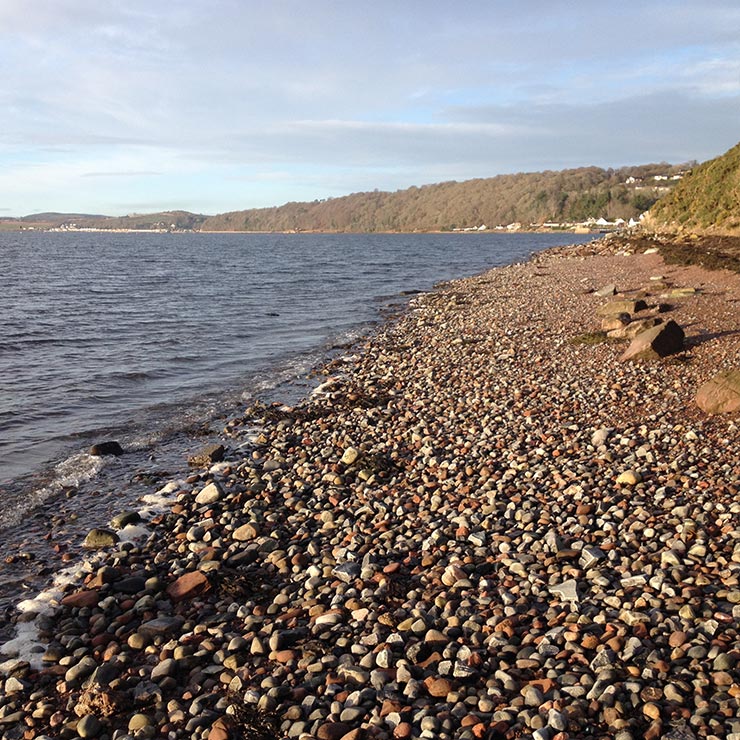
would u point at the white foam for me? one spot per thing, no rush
(158, 502)
(327, 386)
(171, 487)
(26, 645)
(133, 533)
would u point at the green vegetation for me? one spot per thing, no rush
(166, 220)
(705, 202)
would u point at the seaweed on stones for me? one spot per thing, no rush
(250, 722)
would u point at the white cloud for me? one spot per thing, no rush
(331, 94)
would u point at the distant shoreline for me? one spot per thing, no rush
(56, 230)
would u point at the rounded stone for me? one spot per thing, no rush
(89, 726)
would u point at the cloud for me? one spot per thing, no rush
(131, 173)
(195, 96)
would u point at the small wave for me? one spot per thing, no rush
(133, 375)
(69, 473)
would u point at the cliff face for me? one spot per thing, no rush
(705, 202)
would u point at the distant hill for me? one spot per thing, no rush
(165, 220)
(705, 202)
(53, 217)
(527, 198)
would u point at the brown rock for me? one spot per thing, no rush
(81, 599)
(438, 687)
(245, 533)
(357, 734)
(332, 731)
(590, 642)
(284, 656)
(677, 639)
(220, 730)
(100, 703)
(403, 731)
(611, 716)
(720, 394)
(479, 730)
(722, 678)
(660, 341)
(110, 447)
(612, 323)
(499, 729)
(634, 328)
(651, 710)
(188, 586)
(388, 706)
(641, 325)
(545, 685)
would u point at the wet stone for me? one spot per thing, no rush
(99, 538)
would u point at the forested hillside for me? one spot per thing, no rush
(529, 198)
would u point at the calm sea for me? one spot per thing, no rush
(141, 337)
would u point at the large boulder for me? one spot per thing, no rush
(720, 394)
(630, 307)
(660, 341)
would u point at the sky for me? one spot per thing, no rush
(132, 106)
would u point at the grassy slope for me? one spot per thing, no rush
(705, 202)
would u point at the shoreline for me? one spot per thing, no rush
(437, 542)
(93, 230)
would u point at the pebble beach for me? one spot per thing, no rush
(483, 524)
